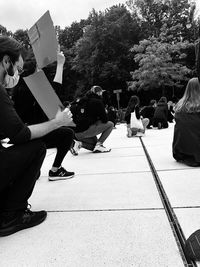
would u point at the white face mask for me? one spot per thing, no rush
(11, 81)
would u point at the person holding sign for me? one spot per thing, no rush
(21, 162)
(31, 112)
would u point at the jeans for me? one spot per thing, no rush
(88, 137)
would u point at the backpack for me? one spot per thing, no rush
(79, 111)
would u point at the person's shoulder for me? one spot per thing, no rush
(3, 92)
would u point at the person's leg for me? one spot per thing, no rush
(165, 124)
(129, 132)
(89, 143)
(105, 129)
(95, 129)
(98, 128)
(145, 123)
(61, 139)
(20, 168)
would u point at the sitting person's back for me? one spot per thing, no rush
(148, 112)
(160, 114)
(186, 145)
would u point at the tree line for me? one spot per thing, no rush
(143, 47)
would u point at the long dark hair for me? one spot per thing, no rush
(133, 102)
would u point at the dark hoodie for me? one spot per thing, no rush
(93, 110)
(161, 111)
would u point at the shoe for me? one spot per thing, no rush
(129, 133)
(60, 174)
(139, 134)
(76, 147)
(99, 148)
(12, 222)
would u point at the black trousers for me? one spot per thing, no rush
(19, 169)
(61, 139)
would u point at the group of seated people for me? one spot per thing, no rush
(154, 115)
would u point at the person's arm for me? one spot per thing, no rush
(19, 133)
(137, 112)
(59, 69)
(101, 112)
(63, 118)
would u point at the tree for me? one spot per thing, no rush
(22, 37)
(102, 55)
(70, 35)
(154, 14)
(3, 31)
(160, 65)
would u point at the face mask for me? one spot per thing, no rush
(11, 81)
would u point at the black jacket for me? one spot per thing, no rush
(186, 141)
(161, 111)
(94, 111)
(11, 126)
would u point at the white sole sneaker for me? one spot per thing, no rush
(56, 178)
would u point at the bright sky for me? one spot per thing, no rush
(22, 14)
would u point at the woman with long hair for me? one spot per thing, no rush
(186, 141)
(133, 105)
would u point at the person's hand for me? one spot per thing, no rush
(60, 58)
(64, 118)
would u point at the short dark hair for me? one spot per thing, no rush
(11, 47)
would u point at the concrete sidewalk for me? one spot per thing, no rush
(110, 213)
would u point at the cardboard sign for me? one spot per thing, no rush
(43, 39)
(44, 93)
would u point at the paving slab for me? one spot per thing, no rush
(182, 187)
(100, 164)
(97, 192)
(159, 146)
(88, 239)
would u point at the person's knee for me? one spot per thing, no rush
(37, 146)
(40, 148)
(110, 124)
(63, 134)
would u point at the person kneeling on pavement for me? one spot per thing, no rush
(21, 162)
(90, 117)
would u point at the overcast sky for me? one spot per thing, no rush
(22, 14)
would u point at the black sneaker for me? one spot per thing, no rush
(60, 174)
(20, 220)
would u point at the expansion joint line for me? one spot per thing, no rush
(175, 226)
